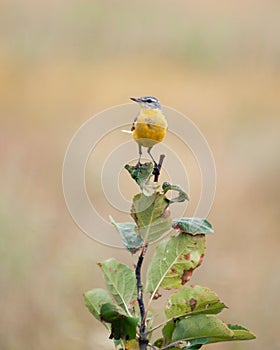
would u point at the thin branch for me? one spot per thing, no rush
(143, 340)
(170, 319)
(178, 344)
(159, 325)
(139, 282)
(161, 159)
(153, 347)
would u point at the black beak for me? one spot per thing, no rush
(135, 99)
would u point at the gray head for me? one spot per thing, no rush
(147, 102)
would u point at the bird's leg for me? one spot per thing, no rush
(140, 154)
(156, 169)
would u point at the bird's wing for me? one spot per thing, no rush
(134, 121)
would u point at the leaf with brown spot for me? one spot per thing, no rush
(193, 303)
(193, 300)
(169, 268)
(156, 296)
(192, 226)
(201, 259)
(187, 275)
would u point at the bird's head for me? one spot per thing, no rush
(149, 102)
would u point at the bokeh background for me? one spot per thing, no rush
(60, 63)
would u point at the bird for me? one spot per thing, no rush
(149, 127)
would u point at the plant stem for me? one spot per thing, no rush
(161, 158)
(143, 339)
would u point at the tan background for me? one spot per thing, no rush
(62, 62)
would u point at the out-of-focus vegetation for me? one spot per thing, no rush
(60, 63)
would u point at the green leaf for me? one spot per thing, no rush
(151, 215)
(120, 281)
(130, 239)
(141, 174)
(167, 333)
(192, 226)
(241, 333)
(94, 299)
(201, 326)
(182, 196)
(194, 300)
(174, 260)
(122, 326)
(168, 330)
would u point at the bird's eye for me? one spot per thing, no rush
(149, 100)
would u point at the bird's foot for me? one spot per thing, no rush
(138, 165)
(156, 171)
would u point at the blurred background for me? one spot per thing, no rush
(60, 63)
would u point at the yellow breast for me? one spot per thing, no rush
(150, 127)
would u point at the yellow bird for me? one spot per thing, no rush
(149, 127)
